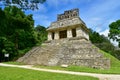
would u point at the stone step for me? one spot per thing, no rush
(51, 53)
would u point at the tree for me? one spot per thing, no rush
(6, 46)
(23, 4)
(41, 33)
(2, 22)
(95, 37)
(102, 42)
(115, 31)
(18, 22)
(16, 31)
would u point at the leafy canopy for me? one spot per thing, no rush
(16, 31)
(115, 31)
(41, 33)
(103, 43)
(23, 4)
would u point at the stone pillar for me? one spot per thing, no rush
(49, 36)
(56, 35)
(87, 36)
(69, 33)
(79, 32)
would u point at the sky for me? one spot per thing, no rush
(97, 14)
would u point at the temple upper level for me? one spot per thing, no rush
(68, 14)
(67, 19)
(68, 25)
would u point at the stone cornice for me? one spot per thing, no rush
(65, 23)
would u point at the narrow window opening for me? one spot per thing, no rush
(73, 32)
(53, 35)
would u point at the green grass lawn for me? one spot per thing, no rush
(15, 63)
(8, 73)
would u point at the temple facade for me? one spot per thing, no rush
(68, 25)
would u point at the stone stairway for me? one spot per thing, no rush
(29, 53)
(39, 55)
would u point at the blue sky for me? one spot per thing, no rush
(97, 14)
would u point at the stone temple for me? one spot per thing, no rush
(68, 25)
(68, 44)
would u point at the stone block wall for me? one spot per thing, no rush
(68, 14)
(70, 51)
(94, 63)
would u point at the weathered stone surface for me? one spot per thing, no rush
(68, 14)
(65, 23)
(70, 51)
(68, 25)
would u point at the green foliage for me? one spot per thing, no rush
(115, 31)
(116, 53)
(25, 39)
(114, 61)
(22, 52)
(2, 22)
(95, 37)
(41, 33)
(6, 47)
(23, 4)
(16, 31)
(103, 43)
(25, 74)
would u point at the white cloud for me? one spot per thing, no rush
(93, 20)
(97, 29)
(114, 42)
(42, 8)
(94, 14)
(95, 23)
(105, 32)
(101, 14)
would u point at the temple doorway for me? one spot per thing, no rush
(63, 34)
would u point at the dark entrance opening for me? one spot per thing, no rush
(63, 34)
(73, 32)
(53, 35)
